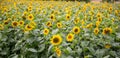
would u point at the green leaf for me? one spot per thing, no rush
(16, 56)
(118, 35)
(69, 57)
(32, 50)
(41, 47)
(107, 56)
(69, 49)
(113, 53)
(55, 31)
(99, 53)
(84, 43)
(49, 49)
(79, 51)
(92, 50)
(0, 35)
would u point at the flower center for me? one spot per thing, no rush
(76, 30)
(56, 40)
(15, 24)
(69, 36)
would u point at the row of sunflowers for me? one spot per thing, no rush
(59, 29)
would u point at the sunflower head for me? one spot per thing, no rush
(33, 23)
(28, 27)
(107, 46)
(96, 30)
(9, 19)
(59, 24)
(56, 40)
(107, 31)
(98, 15)
(77, 20)
(46, 31)
(70, 37)
(76, 30)
(100, 19)
(29, 8)
(97, 23)
(21, 23)
(15, 24)
(91, 12)
(52, 17)
(116, 12)
(67, 16)
(85, 17)
(82, 22)
(25, 13)
(30, 17)
(49, 23)
(113, 19)
(89, 25)
(91, 18)
(1, 27)
(6, 22)
(5, 9)
(58, 51)
(110, 9)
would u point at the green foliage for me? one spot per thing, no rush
(17, 43)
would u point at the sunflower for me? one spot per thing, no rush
(58, 51)
(21, 23)
(29, 8)
(98, 15)
(67, 17)
(100, 19)
(70, 37)
(68, 11)
(85, 17)
(91, 18)
(49, 24)
(14, 23)
(52, 17)
(9, 19)
(96, 30)
(56, 40)
(107, 31)
(46, 31)
(28, 27)
(107, 15)
(97, 23)
(89, 25)
(5, 9)
(110, 9)
(107, 46)
(116, 12)
(59, 24)
(113, 20)
(6, 22)
(82, 22)
(91, 12)
(1, 27)
(77, 20)
(76, 30)
(33, 23)
(25, 13)
(30, 17)
(24, 30)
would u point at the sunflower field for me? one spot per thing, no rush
(59, 29)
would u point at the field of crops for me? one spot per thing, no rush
(59, 29)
